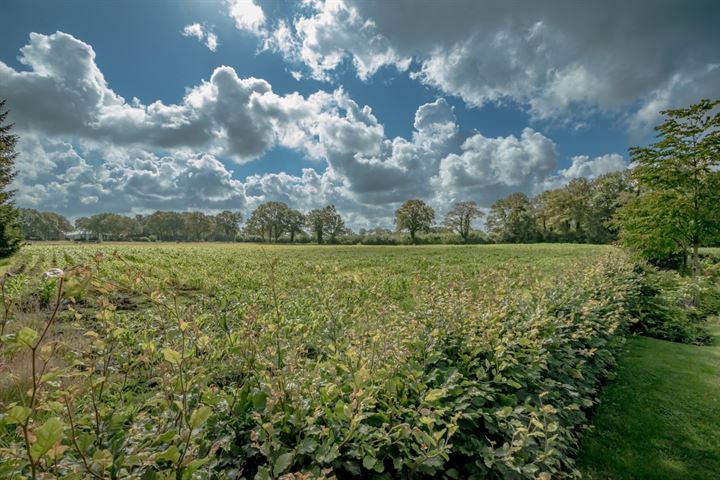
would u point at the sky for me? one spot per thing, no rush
(135, 106)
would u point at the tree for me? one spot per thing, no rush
(315, 222)
(197, 226)
(164, 225)
(109, 226)
(414, 216)
(43, 225)
(460, 216)
(325, 221)
(512, 219)
(268, 218)
(227, 224)
(294, 222)
(610, 192)
(678, 178)
(10, 234)
(334, 223)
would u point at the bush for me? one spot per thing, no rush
(340, 380)
(673, 307)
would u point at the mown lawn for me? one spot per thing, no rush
(660, 417)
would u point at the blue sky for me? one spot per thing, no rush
(517, 98)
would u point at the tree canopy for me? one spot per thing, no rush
(677, 209)
(414, 216)
(325, 222)
(460, 217)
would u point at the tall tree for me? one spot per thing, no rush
(227, 224)
(414, 216)
(512, 219)
(198, 226)
(460, 217)
(268, 218)
(610, 192)
(325, 221)
(334, 223)
(294, 222)
(315, 222)
(43, 225)
(10, 234)
(678, 177)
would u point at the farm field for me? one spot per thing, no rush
(246, 361)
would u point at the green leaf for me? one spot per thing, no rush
(171, 356)
(46, 436)
(259, 400)
(435, 394)
(18, 414)
(263, 474)
(193, 466)
(27, 336)
(103, 458)
(172, 455)
(200, 416)
(282, 463)
(369, 462)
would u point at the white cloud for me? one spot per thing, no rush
(584, 166)
(201, 33)
(194, 30)
(559, 59)
(247, 15)
(84, 149)
(488, 168)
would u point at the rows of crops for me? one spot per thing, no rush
(187, 362)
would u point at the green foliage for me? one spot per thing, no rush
(162, 225)
(272, 219)
(511, 220)
(10, 234)
(679, 182)
(337, 364)
(414, 216)
(460, 217)
(37, 225)
(579, 212)
(675, 308)
(325, 223)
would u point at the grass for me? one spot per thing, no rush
(660, 417)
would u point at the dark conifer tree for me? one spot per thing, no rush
(10, 235)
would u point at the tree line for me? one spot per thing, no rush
(578, 212)
(160, 226)
(581, 212)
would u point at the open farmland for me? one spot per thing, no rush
(225, 361)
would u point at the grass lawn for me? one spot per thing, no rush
(660, 417)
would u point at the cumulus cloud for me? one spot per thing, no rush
(488, 168)
(559, 58)
(584, 166)
(247, 15)
(54, 174)
(85, 149)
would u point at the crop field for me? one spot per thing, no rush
(238, 361)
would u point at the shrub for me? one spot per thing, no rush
(672, 307)
(341, 379)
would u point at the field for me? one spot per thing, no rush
(239, 361)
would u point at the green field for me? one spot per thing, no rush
(262, 361)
